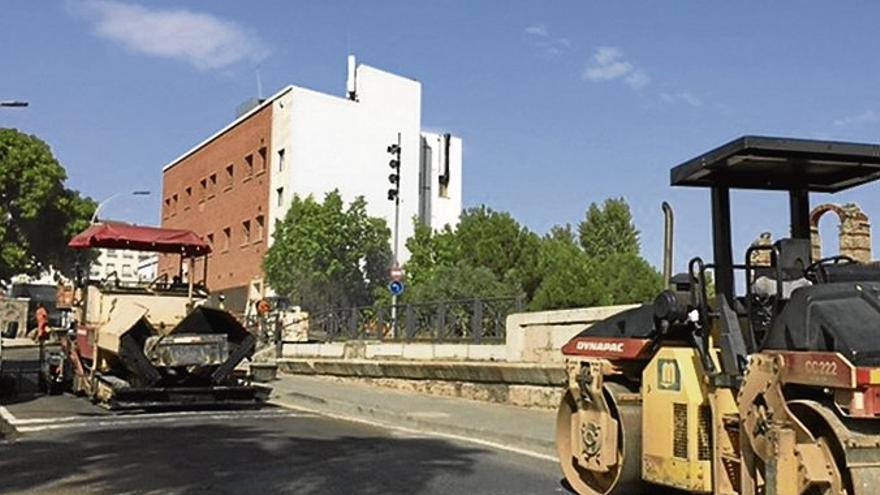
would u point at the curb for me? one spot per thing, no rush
(7, 430)
(393, 419)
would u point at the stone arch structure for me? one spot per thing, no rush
(854, 234)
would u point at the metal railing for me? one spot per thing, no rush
(467, 320)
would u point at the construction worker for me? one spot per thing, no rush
(42, 317)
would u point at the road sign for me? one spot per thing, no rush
(396, 273)
(396, 287)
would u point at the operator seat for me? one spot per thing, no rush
(792, 256)
(769, 295)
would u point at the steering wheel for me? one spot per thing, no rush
(812, 272)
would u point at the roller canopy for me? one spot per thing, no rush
(115, 235)
(756, 162)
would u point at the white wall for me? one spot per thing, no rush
(442, 209)
(337, 143)
(129, 266)
(279, 176)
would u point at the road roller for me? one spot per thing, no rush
(770, 389)
(155, 343)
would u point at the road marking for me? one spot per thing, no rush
(413, 431)
(7, 416)
(110, 421)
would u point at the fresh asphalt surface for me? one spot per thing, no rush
(66, 445)
(270, 450)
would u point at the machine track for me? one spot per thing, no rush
(625, 478)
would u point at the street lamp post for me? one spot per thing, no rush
(103, 203)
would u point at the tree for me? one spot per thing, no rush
(568, 278)
(609, 229)
(325, 255)
(460, 281)
(626, 279)
(39, 213)
(484, 238)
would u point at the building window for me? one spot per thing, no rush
(167, 207)
(258, 234)
(281, 160)
(189, 197)
(230, 175)
(245, 232)
(126, 270)
(279, 197)
(443, 190)
(174, 204)
(249, 166)
(262, 164)
(109, 270)
(212, 185)
(227, 237)
(95, 272)
(204, 191)
(111, 253)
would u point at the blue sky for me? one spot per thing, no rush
(559, 103)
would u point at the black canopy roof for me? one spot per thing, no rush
(757, 162)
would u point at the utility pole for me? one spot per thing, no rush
(396, 286)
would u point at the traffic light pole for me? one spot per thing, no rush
(396, 241)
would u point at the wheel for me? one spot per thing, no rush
(625, 477)
(830, 445)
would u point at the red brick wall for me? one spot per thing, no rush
(198, 195)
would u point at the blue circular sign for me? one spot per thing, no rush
(396, 287)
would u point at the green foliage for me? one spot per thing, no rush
(39, 214)
(326, 255)
(490, 254)
(484, 239)
(460, 281)
(568, 280)
(626, 278)
(609, 229)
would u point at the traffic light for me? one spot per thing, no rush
(394, 177)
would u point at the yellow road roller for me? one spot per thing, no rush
(770, 389)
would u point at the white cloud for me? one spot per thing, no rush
(865, 117)
(609, 64)
(202, 40)
(538, 30)
(682, 96)
(541, 38)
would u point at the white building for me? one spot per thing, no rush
(232, 187)
(323, 142)
(128, 266)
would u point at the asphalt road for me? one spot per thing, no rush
(270, 450)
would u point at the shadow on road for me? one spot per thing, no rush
(224, 458)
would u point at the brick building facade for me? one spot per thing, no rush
(221, 191)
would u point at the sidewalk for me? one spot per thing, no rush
(510, 426)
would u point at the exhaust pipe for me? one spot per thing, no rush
(667, 242)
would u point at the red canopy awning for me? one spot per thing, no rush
(115, 235)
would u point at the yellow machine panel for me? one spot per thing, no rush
(677, 422)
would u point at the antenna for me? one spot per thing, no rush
(259, 84)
